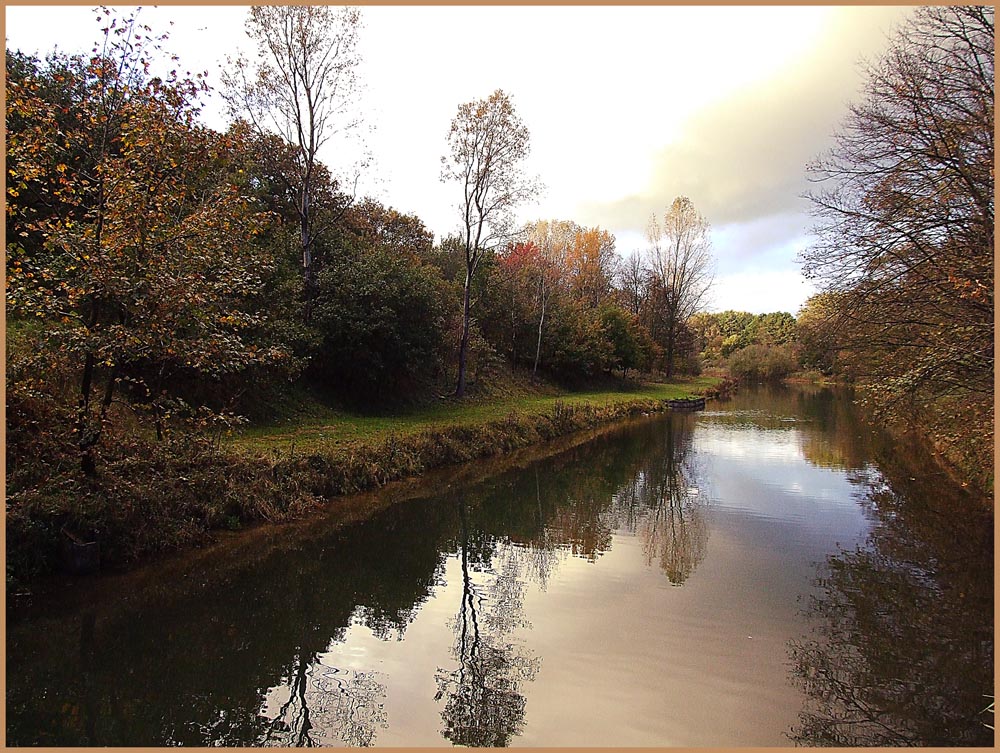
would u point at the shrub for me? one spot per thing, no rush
(761, 363)
(383, 321)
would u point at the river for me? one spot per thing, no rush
(771, 571)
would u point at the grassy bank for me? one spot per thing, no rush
(321, 428)
(155, 497)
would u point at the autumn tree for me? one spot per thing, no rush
(553, 241)
(816, 334)
(905, 219)
(147, 250)
(682, 270)
(301, 88)
(488, 143)
(521, 288)
(591, 264)
(378, 226)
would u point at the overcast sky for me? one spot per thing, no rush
(627, 108)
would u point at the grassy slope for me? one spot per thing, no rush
(154, 497)
(323, 428)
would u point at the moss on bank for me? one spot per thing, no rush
(155, 497)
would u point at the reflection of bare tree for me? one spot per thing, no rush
(902, 646)
(676, 534)
(324, 705)
(663, 505)
(327, 705)
(484, 707)
(292, 726)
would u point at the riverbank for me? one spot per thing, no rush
(694, 513)
(156, 497)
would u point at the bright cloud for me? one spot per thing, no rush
(628, 108)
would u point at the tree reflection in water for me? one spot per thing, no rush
(327, 705)
(901, 652)
(324, 705)
(484, 706)
(664, 507)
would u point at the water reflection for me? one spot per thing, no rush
(244, 659)
(664, 506)
(483, 706)
(286, 646)
(901, 652)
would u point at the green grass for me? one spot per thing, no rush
(320, 427)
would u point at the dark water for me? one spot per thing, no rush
(769, 572)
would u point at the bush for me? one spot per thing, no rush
(760, 363)
(574, 342)
(383, 321)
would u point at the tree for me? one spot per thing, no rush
(775, 328)
(386, 228)
(147, 253)
(553, 241)
(816, 332)
(383, 322)
(629, 341)
(681, 262)
(591, 264)
(488, 143)
(304, 82)
(633, 283)
(905, 216)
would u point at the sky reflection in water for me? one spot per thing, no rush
(657, 586)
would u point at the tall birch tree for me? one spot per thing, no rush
(488, 143)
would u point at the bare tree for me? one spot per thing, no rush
(905, 210)
(906, 215)
(633, 282)
(488, 143)
(682, 269)
(301, 88)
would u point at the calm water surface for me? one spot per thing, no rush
(768, 572)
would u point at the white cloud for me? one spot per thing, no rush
(761, 292)
(628, 107)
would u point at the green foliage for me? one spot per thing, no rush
(628, 348)
(383, 321)
(722, 334)
(575, 342)
(776, 328)
(759, 363)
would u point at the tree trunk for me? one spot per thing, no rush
(538, 346)
(308, 271)
(85, 444)
(670, 349)
(463, 347)
(90, 437)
